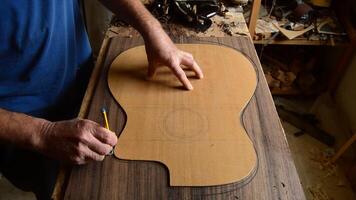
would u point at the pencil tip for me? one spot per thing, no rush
(103, 110)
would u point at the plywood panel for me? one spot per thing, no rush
(197, 134)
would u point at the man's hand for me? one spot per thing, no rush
(161, 51)
(76, 141)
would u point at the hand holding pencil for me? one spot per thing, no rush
(76, 141)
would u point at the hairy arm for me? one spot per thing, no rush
(20, 129)
(159, 47)
(135, 13)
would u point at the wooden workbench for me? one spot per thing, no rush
(275, 178)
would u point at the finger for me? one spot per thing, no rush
(91, 155)
(188, 61)
(179, 73)
(98, 147)
(151, 70)
(78, 161)
(104, 135)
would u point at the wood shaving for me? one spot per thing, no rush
(322, 158)
(318, 193)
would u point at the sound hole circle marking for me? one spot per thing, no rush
(184, 124)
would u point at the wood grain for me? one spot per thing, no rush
(255, 11)
(198, 134)
(276, 176)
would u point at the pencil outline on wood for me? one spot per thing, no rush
(253, 171)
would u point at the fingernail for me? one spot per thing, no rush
(111, 152)
(190, 87)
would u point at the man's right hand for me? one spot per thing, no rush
(76, 141)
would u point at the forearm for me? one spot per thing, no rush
(19, 129)
(136, 14)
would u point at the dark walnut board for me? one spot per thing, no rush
(275, 176)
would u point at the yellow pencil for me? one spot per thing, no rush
(105, 118)
(103, 110)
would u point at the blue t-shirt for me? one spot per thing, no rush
(43, 46)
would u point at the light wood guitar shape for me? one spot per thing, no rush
(198, 135)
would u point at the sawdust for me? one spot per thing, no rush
(318, 193)
(322, 159)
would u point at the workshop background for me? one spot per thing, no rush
(310, 72)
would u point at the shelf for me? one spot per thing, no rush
(344, 11)
(301, 42)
